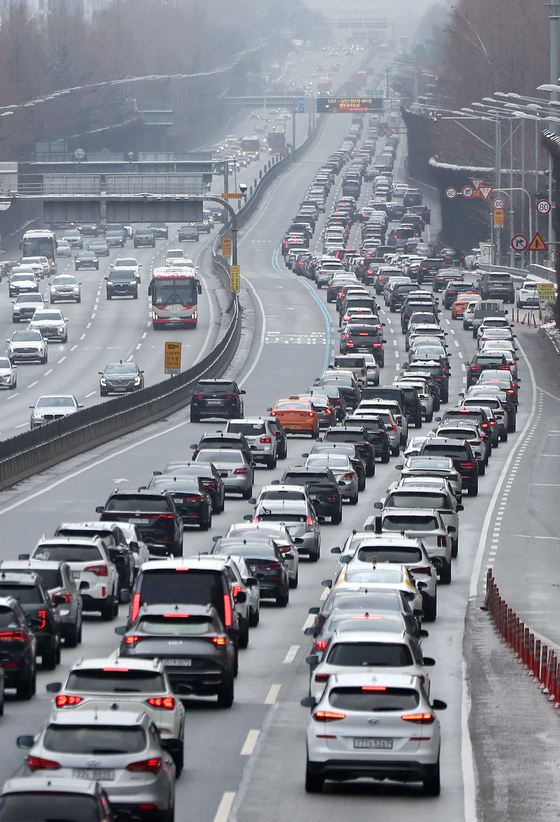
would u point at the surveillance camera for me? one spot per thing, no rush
(243, 187)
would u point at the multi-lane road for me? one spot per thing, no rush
(500, 737)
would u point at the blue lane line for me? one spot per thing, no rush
(328, 320)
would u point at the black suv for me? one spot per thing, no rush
(121, 282)
(217, 398)
(115, 544)
(322, 488)
(18, 647)
(358, 437)
(429, 267)
(375, 432)
(144, 237)
(412, 404)
(496, 285)
(436, 369)
(41, 612)
(153, 513)
(363, 339)
(460, 451)
(159, 230)
(453, 291)
(482, 362)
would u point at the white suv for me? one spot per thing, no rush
(94, 573)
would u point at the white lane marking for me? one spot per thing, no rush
(224, 808)
(308, 622)
(12, 396)
(46, 374)
(272, 695)
(291, 655)
(61, 360)
(546, 484)
(73, 348)
(91, 393)
(144, 335)
(532, 536)
(325, 594)
(82, 337)
(88, 326)
(139, 346)
(250, 743)
(32, 384)
(263, 333)
(23, 424)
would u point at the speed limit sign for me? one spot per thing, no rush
(544, 206)
(451, 193)
(498, 203)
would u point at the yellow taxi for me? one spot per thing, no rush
(461, 303)
(297, 416)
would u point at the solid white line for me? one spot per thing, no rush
(91, 393)
(23, 424)
(325, 594)
(291, 655)
(272, 695)
(263, 333)
(225, 807)
(250, 743)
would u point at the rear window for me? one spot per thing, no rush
(395, 522)
(374, 698)
(119, 682)
(44, 805)
(346, 436)
(94, 739)
(400, 554)
(26, 594)
(419, 500)
(381, 654)
(384, 576)
(499, 278)
(363, 331)
(350, 362)
(7, 618)
(68, 553)
(138, 504)
(213, 388)
(51, 578)
(304, 479)
(250, 429)
(453, 451)
(289, 495)
(176, 626)
(194, 586)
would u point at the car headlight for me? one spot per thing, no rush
(109, 282)
(36, 415)
(60, 329)
(75, 288)
(103, 381)
(137, 380)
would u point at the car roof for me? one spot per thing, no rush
(15, 578)
(120, 663)
(39, 564)
(205, 562)
(374, 636)
(69, 541)
(358, 679)
(46, 784)
(94, 717)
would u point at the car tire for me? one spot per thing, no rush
(473, 490)
(50, 660)
(195, 417)
(294, 581)
(107, 610)
(116, 606)
(362, 484)
(44, 359)
(271, 462)
(504, 436)
(204, 526)
(316, 556)
(226, 694)
(248, 493)
(283, 599)
(454, 547)
(370, 469)
(353, 500)
(445, 575)
(430, 416)
(429, 606)
(244, 635)
(482, 469)
(254, 618)
(385, 457)
(74, 639)
(431, 783)
(26, 689)
(109, 297)
(313, 781)
(395, 451)
(336, 519)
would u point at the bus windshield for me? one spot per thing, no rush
(174, 291)
(38, 247)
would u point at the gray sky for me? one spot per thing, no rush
(404, 14)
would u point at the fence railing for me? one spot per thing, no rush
(540, 661)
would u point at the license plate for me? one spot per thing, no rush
(178, 500)
(139, 521)
(118, 389)
(365, 742)
(76, 574)
(213, 402)
(93, 773)
(183, 663)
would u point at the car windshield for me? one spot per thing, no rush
(115, 680)
(120, 369)
(397, 522)
(29, 298)
(360, 654)
(122, 276)
(49, 805)
(67, 553)
(47, 315)
(26, 336)
(374, 698)
(64, 279)
(20, 278)
(125, 263)
(5, 363)
(94, 739)
(169, 625)
(55, 402)
(429, 464)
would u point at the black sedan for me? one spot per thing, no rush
(191, 499)
(86, 259)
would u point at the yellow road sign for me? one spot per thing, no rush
(498, 216)
(546, 292)
(231, 195)
(172, 357)
(537, 243)
(226, 246)
(234, 278)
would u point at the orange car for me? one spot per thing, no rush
(297, 416)
(461, 303)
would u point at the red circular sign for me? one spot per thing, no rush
(467, 191)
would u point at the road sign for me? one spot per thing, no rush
(389, 132)
(234, 278)
(544, 206)
(345, 105)
(485, 191)
(173, 357)
(498, 216)
(301, 105)
(381, 132)
(374, 92)
(537, 243)
(467, 191)
(451, 193)
(476, 183)
(231, 195)
(519, 242)
(226, 246)
(498, 203)
(547, 292)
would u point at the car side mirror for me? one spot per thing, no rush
(248, 517)
(418, 613)
(378, 505)
(99, 509)
(421, 586)
(311, 660)
(460, 507)
(125, 597)
(157, 473)
(120, 630)
(429, 662)
(242, 391)
(251, 582)
(327, 583)
(54, 687)
(193, 446)
(59, 600)
(241, 597)
(297, 540)
(315, 610)
(252, 501)
(23, 556)
(345, 559)
(311, 702)
(336, 550)
(310, 632)
(437, 705)
(423, 633)
(25, 742)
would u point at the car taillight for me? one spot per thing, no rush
(348, 476)
(67, 596)
(228, 616)
(442, 542)
(218, 640)
(484, 425)
(198, 396)
(236, 589)
(309, 524)
(424, 570)
(420, 719)
(98, 570)
(12, 636)
(273, 414)
(476, 368)
(321, 644)
(327, 716)
(510, 391)
(265, 439)
(36, 763)
(167, 702)
(468, 465)
(241, 471)
(63, 700)
(151, 765)
(269, 566)
(43, 617)
(132, 640)
(135, 607)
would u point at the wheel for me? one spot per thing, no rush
(395, 451)
(179, 759)
(362, 484)
(107, 610)
(283, 599)
(370, 469)
(445, 574)
(482, 469)
(204, 526)
(194, 417)
(271, 462)
(336, 519)
(79, 300)
(430, 608)
(473, 490)
(316, 556)
(385, 457)
(504, 436)
(25, 690)
(354, 500)
(430, 416)
(248, 493)
(135, 296)
(116, 606)
(254, 618)
(418, 423)
(226, 694)
(431, 783)
(294, 582)
(103, 392)
(45, 359)
(2, 706)
(50, 659)
(109, 297)
(244, 635)
(454, 547)
(313, 781)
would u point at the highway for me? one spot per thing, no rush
(248, 762)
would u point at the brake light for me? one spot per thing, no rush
(374, 687)
(151, 765)
(273, 414)
(236, 590)
(309, 524)
(241, 471)
(167, 702)
(468, 465)
(420, 719)
(510, 391)
(36, 763)
(67, 596)
(322, 677)
(173, 616)
(321, 644)
(442, 542)
(218, 640)
(135, 607)
(43, 617)
(228, 616)
(98, 570)
(231, 396)
(266, 439)
(484, 425)
(198, 396)
(63, 700)
(132, 640)
(425, 570)
(327, 716)
(348, 476)
(476, 368)
(12, 636)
